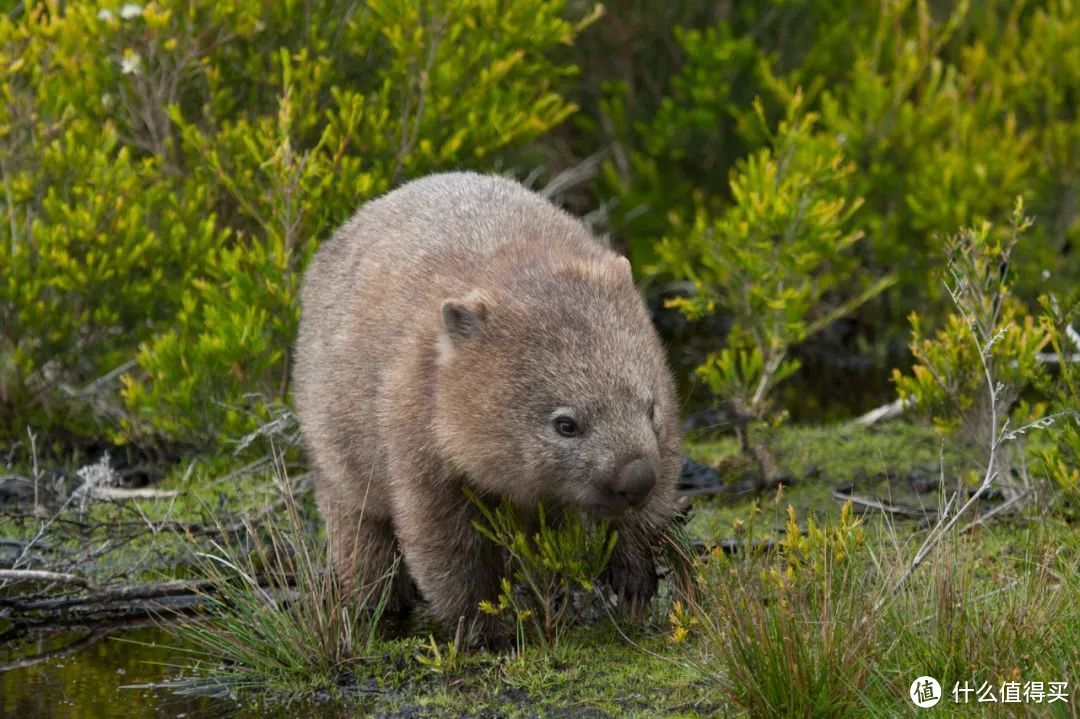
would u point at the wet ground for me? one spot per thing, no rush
(97, 672)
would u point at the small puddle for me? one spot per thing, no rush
(83, 673)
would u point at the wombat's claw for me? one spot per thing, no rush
(634, 589)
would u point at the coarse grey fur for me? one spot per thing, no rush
(444, 326)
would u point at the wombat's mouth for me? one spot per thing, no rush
(608, 505)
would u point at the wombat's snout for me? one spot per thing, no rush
(634, 481)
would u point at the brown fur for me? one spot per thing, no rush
(442, 326)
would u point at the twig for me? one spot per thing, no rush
(573, 176)
(41, 575)
(115, 494)
(942, 528)
(128, 592)
(34, 460)
(993, 512)
(104, 379)
(880, 506)
(885, 411)
(1055, 358)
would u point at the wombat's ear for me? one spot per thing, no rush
(465, 317)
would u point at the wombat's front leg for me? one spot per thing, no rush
(453, 564)
(631, 573)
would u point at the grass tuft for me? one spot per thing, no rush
(789, 626)
(277, 618)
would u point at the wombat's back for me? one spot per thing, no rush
(375, 288)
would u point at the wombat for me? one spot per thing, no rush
(461, 331)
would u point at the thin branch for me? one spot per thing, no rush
(942, 528)
(117, 494)
(41, 575)
(885, 412)
(573, 176)
(896, 509)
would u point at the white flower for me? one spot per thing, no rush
(104, 14)
(130, 10)
(130, 63)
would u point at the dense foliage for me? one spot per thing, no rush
(948, 111)
(168, 168)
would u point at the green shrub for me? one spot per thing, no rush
(946, 113)
(549, 569)
(948, 381)
(1058, 456)
(775, 260)
(994, 337)
(168, 169)
(91, 235)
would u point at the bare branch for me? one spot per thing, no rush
(896, 509)
(41, 575)
(116, 494)
(884, 412)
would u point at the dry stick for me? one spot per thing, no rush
(128, 592)
(884, 412)
(994, 512)
(115, 494)
(573, 176)
(33, 458)
(880, 506)
(41, 575)
(941, 529)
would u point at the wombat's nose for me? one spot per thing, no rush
(635, 481)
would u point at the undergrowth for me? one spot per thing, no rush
(553, 570)
(276, 616)
(796, 616)
(810, 623)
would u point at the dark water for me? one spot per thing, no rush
(95, 673)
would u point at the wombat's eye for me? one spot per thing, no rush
(566, 426)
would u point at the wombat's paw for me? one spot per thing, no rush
(485, 632)
(634, 585)
(402, 597)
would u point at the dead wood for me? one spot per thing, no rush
(40, 575)
(895, 509)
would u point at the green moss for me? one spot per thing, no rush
(876, 460)
(594, 672)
